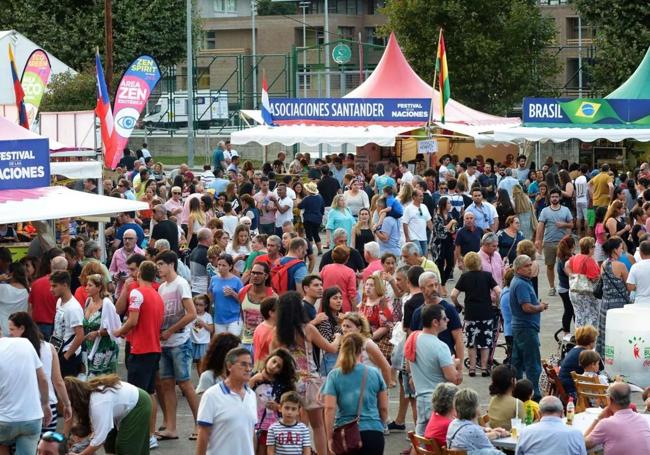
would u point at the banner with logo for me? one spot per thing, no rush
(34, 80)
(631, 113)
(351, 109)
(131, 97)
(24, 164)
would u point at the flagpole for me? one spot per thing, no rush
(433, 92)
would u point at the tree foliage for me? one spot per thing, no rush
(71, 92)
(496, 49)
(269, 8)
(622, 39)
(71, 29)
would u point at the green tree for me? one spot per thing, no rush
(496, 49)
(71, 92)
(622, 38)
(270, 8)
(71, 29)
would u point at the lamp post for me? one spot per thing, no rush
(190, 86)
(254, 50)
(326, 40)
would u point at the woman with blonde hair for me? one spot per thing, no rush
(616, 224)
(585, 305)
(353, 390)
(479, 314)
(196, 220)
(370, 354)
(340, 217)
(462, 178)
(362, 232)
(116, 413)
(91, 268)
(405, 194)
(240, 247)
(99, 322)
(374, 306)
(525, 212)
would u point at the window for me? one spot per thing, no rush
(304, 81)
(202, 77)
(372, 38)
(374, 5)
(210, 40)
(346, 33)
(225, 6)
(572, 31)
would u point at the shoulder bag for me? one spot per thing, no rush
(579, 283)
(346, 438)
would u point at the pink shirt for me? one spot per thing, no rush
(118, 264)
(492, 264)
(624, 430)
(344, 277)
(185, 214)
(372, 268)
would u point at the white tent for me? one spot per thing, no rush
(545, 134)
(54, 202)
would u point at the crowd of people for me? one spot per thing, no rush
(300, 293)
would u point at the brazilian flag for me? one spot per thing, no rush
(587, 111)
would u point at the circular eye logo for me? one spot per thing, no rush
(125, 121)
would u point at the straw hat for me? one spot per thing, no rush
(311, 188)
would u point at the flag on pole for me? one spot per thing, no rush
(103, 108)
(266, 104)
(443, 76)
(18, 91)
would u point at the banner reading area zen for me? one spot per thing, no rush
(132, 94)
(351, 109)
(34, 81)
(24, 164)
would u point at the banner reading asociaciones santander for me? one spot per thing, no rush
(132, 94)
(34, 82)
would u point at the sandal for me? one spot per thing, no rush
(193, 437)
(485, 372)
(472, 372)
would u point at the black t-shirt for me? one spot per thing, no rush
(469, 240)
(453, 324)
(410, 306)
(75, 273)
(127, 162)
(328, 187)
(477, 286)
(167, 230)
(355, 261)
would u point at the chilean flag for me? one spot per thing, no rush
(18, 90)
(104, 112)
(266, 104)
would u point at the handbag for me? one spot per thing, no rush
(579, 283)
(346, 438)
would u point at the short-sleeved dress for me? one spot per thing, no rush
(479, 313)
(105, 359)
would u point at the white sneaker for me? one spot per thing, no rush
(153, 442)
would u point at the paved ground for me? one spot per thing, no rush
(396, 441)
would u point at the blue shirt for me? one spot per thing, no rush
(522, 291)
(453, 324)
(469, 240)
(219, 185)
(483, 215)
(217, 158)
(314, 207)
(382, 182)
(551, 436)
(136, 227)
(337, 219)
(347, 387)
(296, 273)
(504, 304)
(390, 226)
(226, 308)
(431, 356)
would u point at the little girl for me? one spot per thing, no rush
(202, 330)
(601, 234)
(277, 377)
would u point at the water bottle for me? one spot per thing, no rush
(529, 415)
(570, 411)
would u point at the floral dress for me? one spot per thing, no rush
(377, 318)
(105, 359)
(615, 295)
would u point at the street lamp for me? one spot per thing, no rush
(253, 14)
(304, 5)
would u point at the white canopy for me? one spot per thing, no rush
(77, 169)
(544, 134)
(54, 202)
(313, 135)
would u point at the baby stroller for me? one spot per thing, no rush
(498, 330)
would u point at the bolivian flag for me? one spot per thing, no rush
(18, 91)
(443, 76)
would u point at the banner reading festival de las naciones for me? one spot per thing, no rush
(132, 94)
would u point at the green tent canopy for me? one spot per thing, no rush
(637, 87)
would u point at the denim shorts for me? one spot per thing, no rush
(424, 409)
(25, 434)
(176, 362)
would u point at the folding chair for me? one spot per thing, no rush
(556, 387)
(590, 394)
(424, 446)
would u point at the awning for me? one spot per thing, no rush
(312, 135)
(544, 134)
(77, 169)
(54, 202)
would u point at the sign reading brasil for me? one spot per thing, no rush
(132, 94)
(586, 112)
(24, 164)
(351, 109)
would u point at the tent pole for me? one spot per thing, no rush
(100, 190)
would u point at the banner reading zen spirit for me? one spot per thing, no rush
(34, 81)
(24, 164)
(351, 109)
(132, 94)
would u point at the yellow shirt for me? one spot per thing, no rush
(534, 406)
(600, 185)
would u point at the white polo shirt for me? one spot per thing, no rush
(231, 418)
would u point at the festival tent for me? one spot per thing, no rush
(637, 87)
(392, 78)
(52, 202)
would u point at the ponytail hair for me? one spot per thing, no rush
(349, 352)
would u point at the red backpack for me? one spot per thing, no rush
(280, 276)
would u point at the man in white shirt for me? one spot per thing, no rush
(416, 220)
(637, 279)
(145, 151)
(68, 333)
(22, 384)
(176, 356)
(443, 170)
(582, 201)
(407, 175)
(472, 174)
(284, 206)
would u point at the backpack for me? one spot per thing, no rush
(280, 276)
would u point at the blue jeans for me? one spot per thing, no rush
(176, 362)
(46, 330)
(423, 246)
(424, 409)
(24, 434)
(526, 357)
(327, 363)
